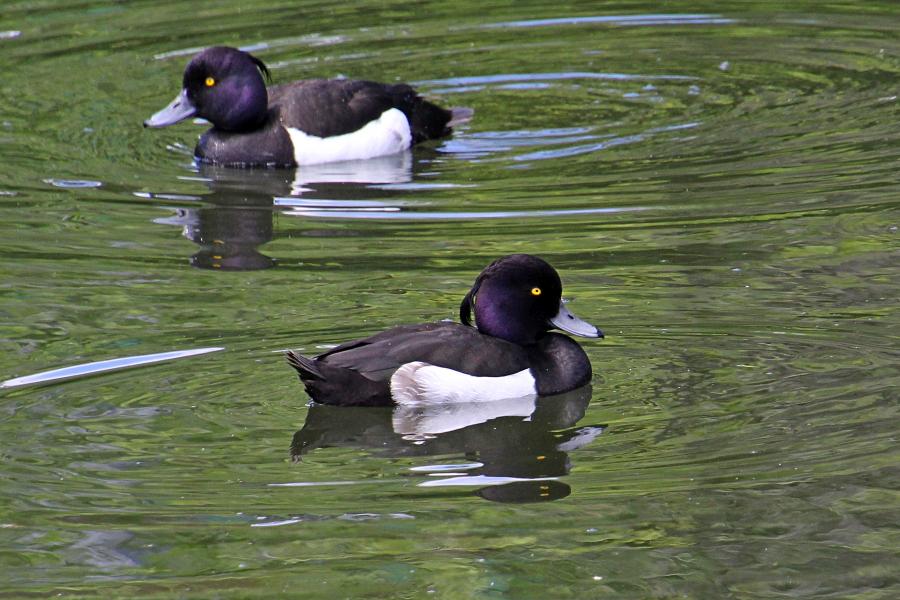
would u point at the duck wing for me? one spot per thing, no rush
(330, 107)
(443, 344)
(358, 373)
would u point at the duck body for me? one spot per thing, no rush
(299, 123)
(456, 362)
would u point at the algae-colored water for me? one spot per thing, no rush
(716, 183)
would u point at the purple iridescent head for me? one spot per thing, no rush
(519, 298)
(223, 85)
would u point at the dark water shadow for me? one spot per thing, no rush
(232, 221)
(517, 448)
(236, 218)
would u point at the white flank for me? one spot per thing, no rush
(388, 134)
(418, 383)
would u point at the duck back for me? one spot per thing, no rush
(331, 107)
(442, 344)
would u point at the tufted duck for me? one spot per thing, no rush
(299, 123)
(509, 352)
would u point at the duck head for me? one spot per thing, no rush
(519, 298)
(223, 85)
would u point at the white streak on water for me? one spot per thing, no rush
(620, 20)
(102, 366)
(507, 78)
(322, 483)
(73, 183)
(443, 468)
(459, 216)
(481, 480)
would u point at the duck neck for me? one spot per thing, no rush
(558, 364)
(246, 107)
(502, 318)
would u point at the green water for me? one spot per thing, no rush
(716, 183)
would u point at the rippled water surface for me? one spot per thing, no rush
(716, 182)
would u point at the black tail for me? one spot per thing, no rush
(427, 120)
(460, 115)
(306, 367)
(327, 384)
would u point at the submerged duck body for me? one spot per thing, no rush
(299, 123)
(509, 353)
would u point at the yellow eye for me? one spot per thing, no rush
(535, 291)
(210, 82)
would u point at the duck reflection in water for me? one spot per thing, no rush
(236, 217)
(516, 448)
(234, 220)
